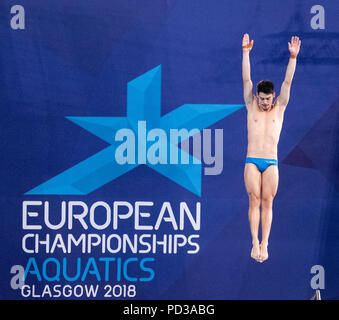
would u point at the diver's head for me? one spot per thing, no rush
(265, 94)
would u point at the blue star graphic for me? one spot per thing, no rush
(143, 104)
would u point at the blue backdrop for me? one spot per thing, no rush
(75, 58)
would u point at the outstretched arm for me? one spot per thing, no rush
(246, 69)
(294, 47)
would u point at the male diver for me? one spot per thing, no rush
(264, 123)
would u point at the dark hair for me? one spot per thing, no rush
(265, 86)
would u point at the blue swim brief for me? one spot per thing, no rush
(262, 164)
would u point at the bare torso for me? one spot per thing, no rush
(263, 128)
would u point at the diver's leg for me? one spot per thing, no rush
(252, 177)
(270, 179)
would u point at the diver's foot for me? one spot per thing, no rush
(263, 256)
(255, 252)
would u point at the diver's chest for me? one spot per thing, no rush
(264, 119)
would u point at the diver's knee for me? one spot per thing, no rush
(254, 199)
(267, 200)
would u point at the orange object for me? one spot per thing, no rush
(248, 46)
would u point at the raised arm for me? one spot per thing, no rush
(246, 69)
(294, 47)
